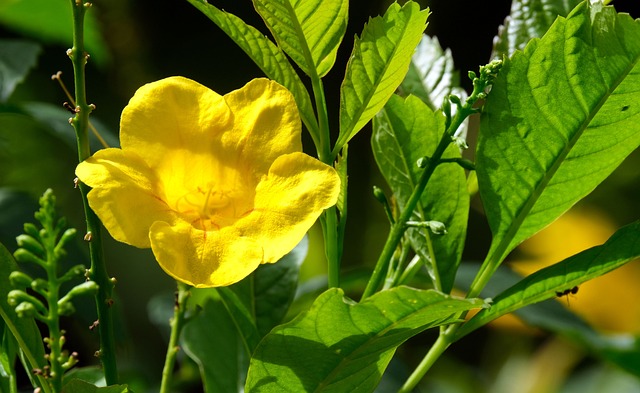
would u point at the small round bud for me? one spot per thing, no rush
(422, 162)
(20, 280)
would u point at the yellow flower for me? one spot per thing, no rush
(215, 185)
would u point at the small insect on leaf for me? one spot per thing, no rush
(567, 292)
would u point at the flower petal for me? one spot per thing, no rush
(125, 195)
(288, 202)
(173, 124)
(266, 123)
(204, 259)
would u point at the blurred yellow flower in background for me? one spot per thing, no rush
(610, 302)
(215, 185)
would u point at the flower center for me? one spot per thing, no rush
(213, 206)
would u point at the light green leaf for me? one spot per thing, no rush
(267, 56)
(561, 116)
(50, 21)
(309, 31)
(24, 330)
(622, 247)
(528, 19)
(377, 65)
(404, 131)
(431, 76)
(340, 346)
(624, 351)
(17, 57)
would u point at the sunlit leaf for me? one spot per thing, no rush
(561, 116)
(339, 345)
(622, 350)
(622, 247)
(309, 31)
(528, 19)
(377, 66)
(267, 56)
(404, 131)
(17, 57)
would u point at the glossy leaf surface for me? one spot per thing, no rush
(339, 345)
(561, 116)
(378, 64)
(621, 248)
(309, 31)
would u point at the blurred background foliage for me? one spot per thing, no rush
(135, 42)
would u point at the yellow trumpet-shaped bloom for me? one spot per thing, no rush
(215, 185)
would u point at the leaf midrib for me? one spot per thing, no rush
(372, 93)
(379, 335)
(557, 163)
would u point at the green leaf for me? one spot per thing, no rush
(274, 287)
(267, 56)
(80, 386)
(431, 76)
(528, 19)
(339, 345)
(8, 378)
(377, 65)
(24, 330)
(50, 21)
(553, 317)
(561, 116)
(403, 132)
(309, 31)
(211, 340)
(17, 57)
(621, 248)
(240, 316)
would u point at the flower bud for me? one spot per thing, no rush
(25, 310)
(20, 280)
(30, 244)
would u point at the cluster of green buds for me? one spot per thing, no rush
(40, 298)
(481, 85)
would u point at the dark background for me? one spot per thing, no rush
(149, 40)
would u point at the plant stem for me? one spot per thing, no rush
(437, 349)
(177, 322)
(53, 323)
(98, 271)
(399, 227)
(329, 219)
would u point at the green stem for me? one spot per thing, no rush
(398, 229)
(177, 322)
(437, 349)
(98, 271)
(329, 219)
(53, 324)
